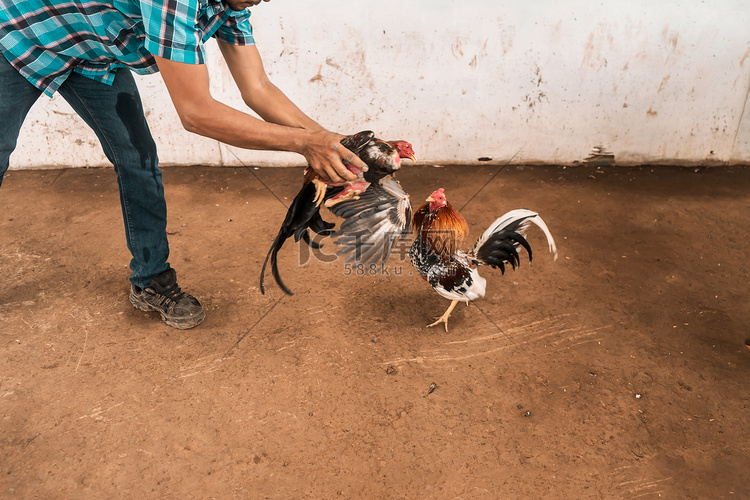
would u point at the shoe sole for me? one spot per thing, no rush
(180, 325)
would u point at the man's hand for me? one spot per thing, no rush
(326, 155)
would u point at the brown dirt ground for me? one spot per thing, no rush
(619, 371)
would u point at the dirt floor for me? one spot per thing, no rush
(619, 371)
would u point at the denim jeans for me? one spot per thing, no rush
(116, 115)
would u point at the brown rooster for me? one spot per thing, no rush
(436, 252)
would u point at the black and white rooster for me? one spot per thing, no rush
(436, 252)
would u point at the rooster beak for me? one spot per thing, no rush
(413, 158)
(430, 199)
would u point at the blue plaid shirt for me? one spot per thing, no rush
(47, 39)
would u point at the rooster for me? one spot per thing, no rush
(437, 256)
(374, 207)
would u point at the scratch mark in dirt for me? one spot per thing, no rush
(289, 345)
(546, 336)
(637, 489)
(635, 485)
(206, 364)
(494, 336)
(32, 438)
(85, 341)
(577, 344)
(650, 493)
(97, 413)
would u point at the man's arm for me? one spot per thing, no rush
(287, 128)
(258, 92)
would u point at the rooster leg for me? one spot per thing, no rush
(444, 318)
(320, 191)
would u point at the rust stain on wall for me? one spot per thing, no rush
(457, 48)
(588, 51)
(317, 77)
(329, 61)
(663, 83)
(744, 57)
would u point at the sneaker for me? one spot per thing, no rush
(177, 308)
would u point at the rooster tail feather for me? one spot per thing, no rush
(320, 226)
(501, 248)
(500, 242)
(301, 213)
(278, 242)
(263, 270)
(276, 275)
(298, 217)
(310, 242)
(550, 240)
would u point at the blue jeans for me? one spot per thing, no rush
(116, 115)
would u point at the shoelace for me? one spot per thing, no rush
(170, 295)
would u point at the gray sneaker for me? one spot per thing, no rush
(177, 308)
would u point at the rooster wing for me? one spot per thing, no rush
(373, 222)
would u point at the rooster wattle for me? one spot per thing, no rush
(453, 273)
(375, 209)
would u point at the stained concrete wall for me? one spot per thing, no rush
(540, 81)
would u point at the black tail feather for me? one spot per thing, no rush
(298, 217)
(310, 242)
(320, 226)
(502, 248)
(276, 275)
(278, 242)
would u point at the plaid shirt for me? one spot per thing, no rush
(47, 39)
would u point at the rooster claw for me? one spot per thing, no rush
(320, 191)
(444, 318)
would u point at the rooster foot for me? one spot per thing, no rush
(350, 192)
(444, 318)
(320, 191)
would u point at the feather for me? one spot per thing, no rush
(374, 222)
(443, 230)
(300, 212)
(373, 209)
(502, 247)
(518, 221)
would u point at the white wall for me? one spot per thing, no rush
(536, 81)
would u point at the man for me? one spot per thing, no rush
(86, 49)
